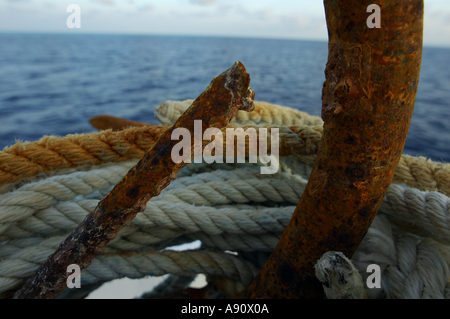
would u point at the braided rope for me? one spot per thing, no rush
(25, 160)
(160, 216)
(26, 200)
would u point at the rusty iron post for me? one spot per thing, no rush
(216, 107)
(368, 100)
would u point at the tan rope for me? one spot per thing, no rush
(50, 153)
(264, 113)
(423, 174)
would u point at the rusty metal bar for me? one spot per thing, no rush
(216, 106)
(368, 100)
(104, 122)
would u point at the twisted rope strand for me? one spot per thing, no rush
(35, 213)
(221, 187)
(264, 113)
(28, 159)
(410, 266)
(50, 153)
(429, 211)
(106, 267)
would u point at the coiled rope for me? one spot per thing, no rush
(25, 160)
(228, 207)
(411, 266)
(264, 113)
(417, 172)
(18, 267)
(429, 211)
(246, 228)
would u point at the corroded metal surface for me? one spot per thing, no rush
(368, 99)
(216, 106)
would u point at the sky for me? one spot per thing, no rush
(291, 19)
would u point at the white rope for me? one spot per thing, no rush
(67, 215)
(109, 266)
(214, 188)
(376, 237)
(263, 243)
(26, 200)
(265, 113)
(227, 208)
(410, 267)
(427, 212)
(163, 220)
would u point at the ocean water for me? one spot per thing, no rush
(53, 84)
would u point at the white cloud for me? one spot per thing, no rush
(268, 15)
(204, 2)
(107, 2)
(299, 19)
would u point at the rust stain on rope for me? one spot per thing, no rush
(216, 106)
(368, 100)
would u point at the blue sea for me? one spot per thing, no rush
(53, 84)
